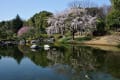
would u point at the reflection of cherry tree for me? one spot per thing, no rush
(73, 19)
(75, 60)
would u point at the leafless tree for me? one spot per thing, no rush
(82, 4)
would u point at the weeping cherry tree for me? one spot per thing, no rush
(73, 20)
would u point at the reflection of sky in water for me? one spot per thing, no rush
(27, 70)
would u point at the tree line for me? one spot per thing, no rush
(9, 29)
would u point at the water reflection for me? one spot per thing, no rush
(12, 52)
(58, 63)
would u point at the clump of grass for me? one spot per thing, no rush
(76, 40)
(64, 40)
(83, 39)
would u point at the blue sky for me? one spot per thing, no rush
(27, 8)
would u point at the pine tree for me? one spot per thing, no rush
(17, 23)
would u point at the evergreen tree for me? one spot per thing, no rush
(113, 19)
(17, 23)
(116, 4)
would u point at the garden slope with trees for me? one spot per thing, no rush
(78, 23)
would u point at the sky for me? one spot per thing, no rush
(27, 8)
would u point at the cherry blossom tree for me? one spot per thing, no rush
(73, 20)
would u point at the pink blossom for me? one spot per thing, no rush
(23, 30)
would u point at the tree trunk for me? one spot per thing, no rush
(73, 35)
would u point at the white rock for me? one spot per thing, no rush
(46, 46)
(33, 46)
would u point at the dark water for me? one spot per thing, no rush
(59, 63)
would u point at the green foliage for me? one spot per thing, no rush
(101, 25)
(39, 21)
(83, 39)
(32, 34)
(5, 31)
(64, 40)
(8, 29)
(113, 19)
(116, 4)
(68, 33)
(17, 23)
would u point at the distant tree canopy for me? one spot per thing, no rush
(39, 21)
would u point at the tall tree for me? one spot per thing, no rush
(113, 18)
(39, 21)
(116, 4)
(17, 23)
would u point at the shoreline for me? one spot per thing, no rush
(99, 44)
(102, 46)
(92, 43)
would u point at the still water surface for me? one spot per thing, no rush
(59, 63)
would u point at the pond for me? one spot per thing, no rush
(59, 63)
